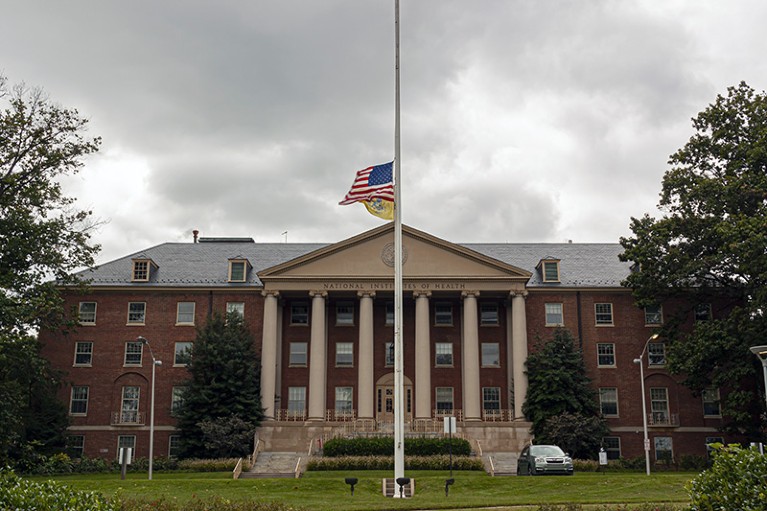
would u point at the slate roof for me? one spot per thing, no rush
(206, 264)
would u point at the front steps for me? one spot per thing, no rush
(273, 465)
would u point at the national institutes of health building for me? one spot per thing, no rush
(322, 316)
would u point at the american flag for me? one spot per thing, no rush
(372, 183)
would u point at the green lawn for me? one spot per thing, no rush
(327, 490)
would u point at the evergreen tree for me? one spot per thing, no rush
(558, 385)
(224, 389)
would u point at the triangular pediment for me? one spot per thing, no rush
(369, 257)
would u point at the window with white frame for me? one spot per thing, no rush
(185, 313)
(656, 353)
(75, 446)
(491, 354)
(344, 400)
(664, 448)
(345, 314)
(491, 399)
(389, 354)
(83, 353)
(238, 270)
(711, 404)
(603, 313)
(606, 354)
(443, 354)
(299, 313)
(389, 313)
(659, 405)
(443, 314)
(78, 404)
(612, 446)
(298, 354)
(141, 270)
(174, 446)
(176, 399)
(296, 400)
(703, 312)
(554, 316)
(550, 270)
(488, 314)
(444, 399)
(130, 402)
(344, 354)
(133, 352)
(86, 313)
(126, 442)
(182, 353)
(653, 315)
(136, 313)
(608, 401)
(237, 308)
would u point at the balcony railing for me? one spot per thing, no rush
(663, 419)
(128, 418)
(290, 415)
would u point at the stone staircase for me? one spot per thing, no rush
(501, 463)
(274, 464)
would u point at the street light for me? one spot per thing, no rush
(155, 363)
(761, 352)
(644, 404)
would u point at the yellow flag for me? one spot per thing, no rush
(380, 208)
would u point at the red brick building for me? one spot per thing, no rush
(323, 316)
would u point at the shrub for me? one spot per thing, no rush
(17, 493)
(736, 480)
(217, 465)
(625, 507)
(384, 446)
(692, 462)
(441, 462)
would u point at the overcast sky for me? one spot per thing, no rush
(522, 121)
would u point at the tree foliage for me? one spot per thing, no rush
(559, 387)
(43, 238)
(224, 389)
(710, 246)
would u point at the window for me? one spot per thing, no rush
(345, 314)
(712, 440)
(86, 313)
(129, 411)
(176, 400)
(183, 354)
(608, 401)
(343, 400)
(703, 312)
(136, 312)
(238, 270)
(185, 313)
(79, 402)
(488, 314)
(659, 405)
(126, 442)
(443, 314)
(174, 446)
(75, 446)
(491, 354)
(296, 400)
(444, 400)
(133, 351)
(389, 354)
(606, 355)
(664, 448)
(235, 308)
(612, 446)
(299, 313)
(550, 270)
(554, 315)
(389, 313)
(653, 315)
(443, 354)
(140, 270)
(298, 354)
(344, 354)
(491, 398)
(83, 353)
(711, 407)
(656, 353)
(603, 313)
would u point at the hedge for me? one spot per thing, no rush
(384, 446)
(441, 462)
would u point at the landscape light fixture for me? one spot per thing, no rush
(644, 404)
(155, 363)
(761, 353)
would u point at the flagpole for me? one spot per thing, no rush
(399, 409)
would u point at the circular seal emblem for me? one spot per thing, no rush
(387, 255)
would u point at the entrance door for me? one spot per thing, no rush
(385, 402)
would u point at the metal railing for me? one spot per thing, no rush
(662, 419)
(128, 418)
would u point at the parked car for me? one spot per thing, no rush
(544, 459)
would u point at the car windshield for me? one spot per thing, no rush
(546, 450)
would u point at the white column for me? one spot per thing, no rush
(519, 347)
(269, 354)
(365, 377)
(472, 398)
(317, 358)
(422, 356)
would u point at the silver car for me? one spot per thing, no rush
(544, 459)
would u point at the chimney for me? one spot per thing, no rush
(195, 233)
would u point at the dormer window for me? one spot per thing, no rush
(549, 269)
(238, 270)
(142, 270)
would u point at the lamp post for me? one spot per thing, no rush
(761, 352)
(644, 404)
(155, 363)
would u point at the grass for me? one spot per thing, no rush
(327, 490)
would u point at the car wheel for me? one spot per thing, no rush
(530, 470)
